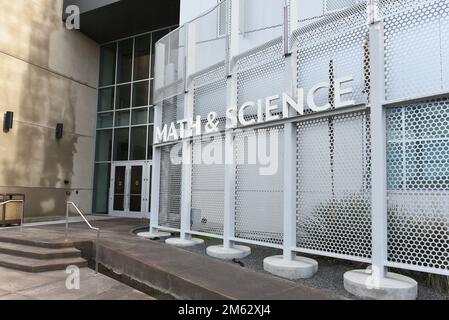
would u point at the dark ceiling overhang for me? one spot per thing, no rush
(107, 20)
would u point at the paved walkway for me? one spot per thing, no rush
(185, 274)
(16, 285)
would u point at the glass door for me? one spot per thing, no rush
(135, 187)
(130, 183)
(119, 188)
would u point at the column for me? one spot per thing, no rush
(289, 265)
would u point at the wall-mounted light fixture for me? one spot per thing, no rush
(9, 120)
(59, 131)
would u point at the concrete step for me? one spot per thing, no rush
(36, 265)
(39, 253)
(40, 244)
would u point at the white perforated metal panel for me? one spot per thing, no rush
(210, 95)
(333, 185)
(170, 188)
(259, 198)
(333, 48)
(418, 185)
(416, 48)
(208, 185)
(262, 74)
(172, 110)
(170, 65)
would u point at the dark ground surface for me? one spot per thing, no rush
(184, 274)
(330, 272)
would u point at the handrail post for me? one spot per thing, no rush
(97, 242)
(22, 216)
(97, 248)
(67, 221)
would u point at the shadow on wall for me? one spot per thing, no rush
(41, 164)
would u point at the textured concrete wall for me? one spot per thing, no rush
(48, 75)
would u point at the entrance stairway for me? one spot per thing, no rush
(34, 257)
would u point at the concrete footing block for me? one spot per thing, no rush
(236, 252)
(394, 287)
(177, 242)
(299, 268)
(154, 235)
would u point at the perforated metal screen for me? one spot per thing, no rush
(170, 188)
(416, 48)
(259, 197)
(334, 48)
(333, 151)
(170, 65)
(333, 185)
(210, 95)
(172, 110)
(208, 185)
(418, 184)
(261, 74)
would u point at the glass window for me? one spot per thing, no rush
(107, 64)
(122, 119)
(138, 143)
(140, 116)
(101, 188)
(125, 60)
(140, 94)
(123, 97)
(142, 57)
(150, 142)
(121, 142)
(106, 99)
(151, 118)
(105, 120)
(151, 92)
(103, 145)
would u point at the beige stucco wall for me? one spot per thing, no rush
(48, 75)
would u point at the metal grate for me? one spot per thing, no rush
(262, 74)
(259, 198)
(332, 48)
(172, 110)
(211, 97)
(416, 49)
(333, 185)
(418, 184)
(170, 188)
(170, 65)
(208, 185)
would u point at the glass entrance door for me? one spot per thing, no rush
(130, 184)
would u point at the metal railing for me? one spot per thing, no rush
(22, 213)
(97, 242)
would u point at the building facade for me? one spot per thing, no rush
(95, 82)
(48, 75)
(363, 169)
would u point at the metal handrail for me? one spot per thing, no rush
(23, 210)
(97, 242)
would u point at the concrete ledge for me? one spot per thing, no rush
(154, 235)
(177, 242)
(300, 268)
(393, 287)
(236, 252)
